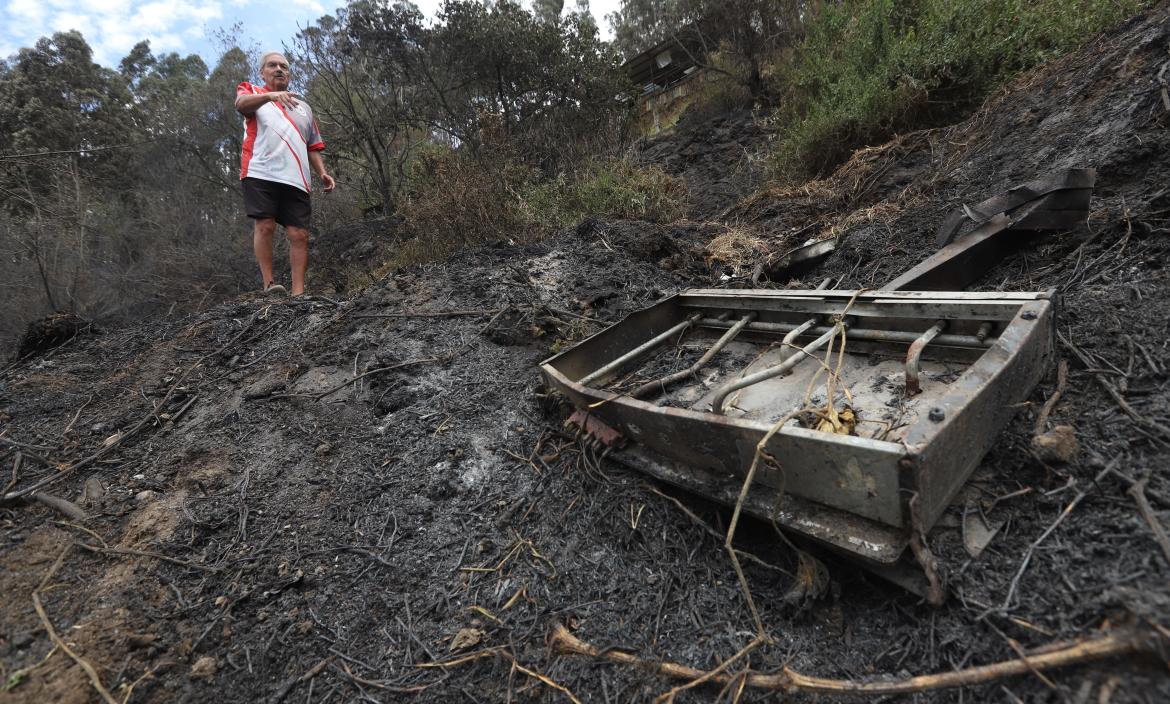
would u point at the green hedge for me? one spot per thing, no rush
(867, 69)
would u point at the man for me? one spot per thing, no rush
(281, 143)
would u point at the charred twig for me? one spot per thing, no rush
(578, 316)
(499, 314)
(379, 370)
(122, 437)
(1165, 86)
(62, 506)
(1137, 490)
(716, 534)
(1007, 600)
(291, 683)
(182, 409)
(491, 652)
(17, 461)
(94, 679)
(508, 452)
(114, 550)
(23, 445)
(1157, 431)
(76, 416)
(935, 590)
(1046, 410)
(344, 669)
(432, 314)
(27, 450)
(1121, 643)
(987, 609)
(1019, 650)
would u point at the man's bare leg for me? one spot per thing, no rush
(262, 230)
(298, 255)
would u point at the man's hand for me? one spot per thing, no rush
(318, 165)
(285, 98)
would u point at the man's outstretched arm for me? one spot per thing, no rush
(249, 103)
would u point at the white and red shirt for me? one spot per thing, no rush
(277, 141)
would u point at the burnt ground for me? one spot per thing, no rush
(717, 157)
(250, 530)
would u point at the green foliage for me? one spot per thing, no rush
(368, 101)
(389, 83)
(612, 188)
(456, 200)
(719, 92)
(482, 73)
(747, 33)
(53, 97)
(867, 69)
(120, 187)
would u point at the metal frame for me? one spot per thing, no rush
(848, 492)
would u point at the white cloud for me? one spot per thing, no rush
(311, 5)
(65, 21)
(112, 27)
(26, 12)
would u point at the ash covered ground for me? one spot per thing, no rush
(259, 529)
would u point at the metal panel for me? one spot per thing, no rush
(877, 294)
(866, 305)
(874, 543)
(855, 474)
(980, 404)
(866, 480)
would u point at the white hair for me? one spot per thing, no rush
(265, 55)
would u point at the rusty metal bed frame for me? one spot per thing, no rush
(866, 497)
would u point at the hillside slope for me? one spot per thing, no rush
(261, 530)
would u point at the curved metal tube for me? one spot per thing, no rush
(728, 336)
(770, 372)
(795, 333)
(640, 350)
(913, 385)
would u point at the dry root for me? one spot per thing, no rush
(1123, 642)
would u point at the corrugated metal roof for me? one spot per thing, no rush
(683, 47)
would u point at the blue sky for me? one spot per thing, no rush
(112, 27)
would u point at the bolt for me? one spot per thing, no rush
(1028, 315)
(937, 414)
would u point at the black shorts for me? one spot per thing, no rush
(269, 199)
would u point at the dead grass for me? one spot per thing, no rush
(737, 248)
(884, 212)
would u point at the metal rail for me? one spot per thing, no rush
(722, 342)
(642, 349)
(914, 354)
(765, 374)
(868, 335)
(795, 333)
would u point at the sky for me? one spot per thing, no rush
(113, 27)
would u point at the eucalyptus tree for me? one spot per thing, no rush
(66, 122)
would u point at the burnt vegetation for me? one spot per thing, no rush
(367, 495)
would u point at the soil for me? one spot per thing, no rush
(276, 531)
(717, 157)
